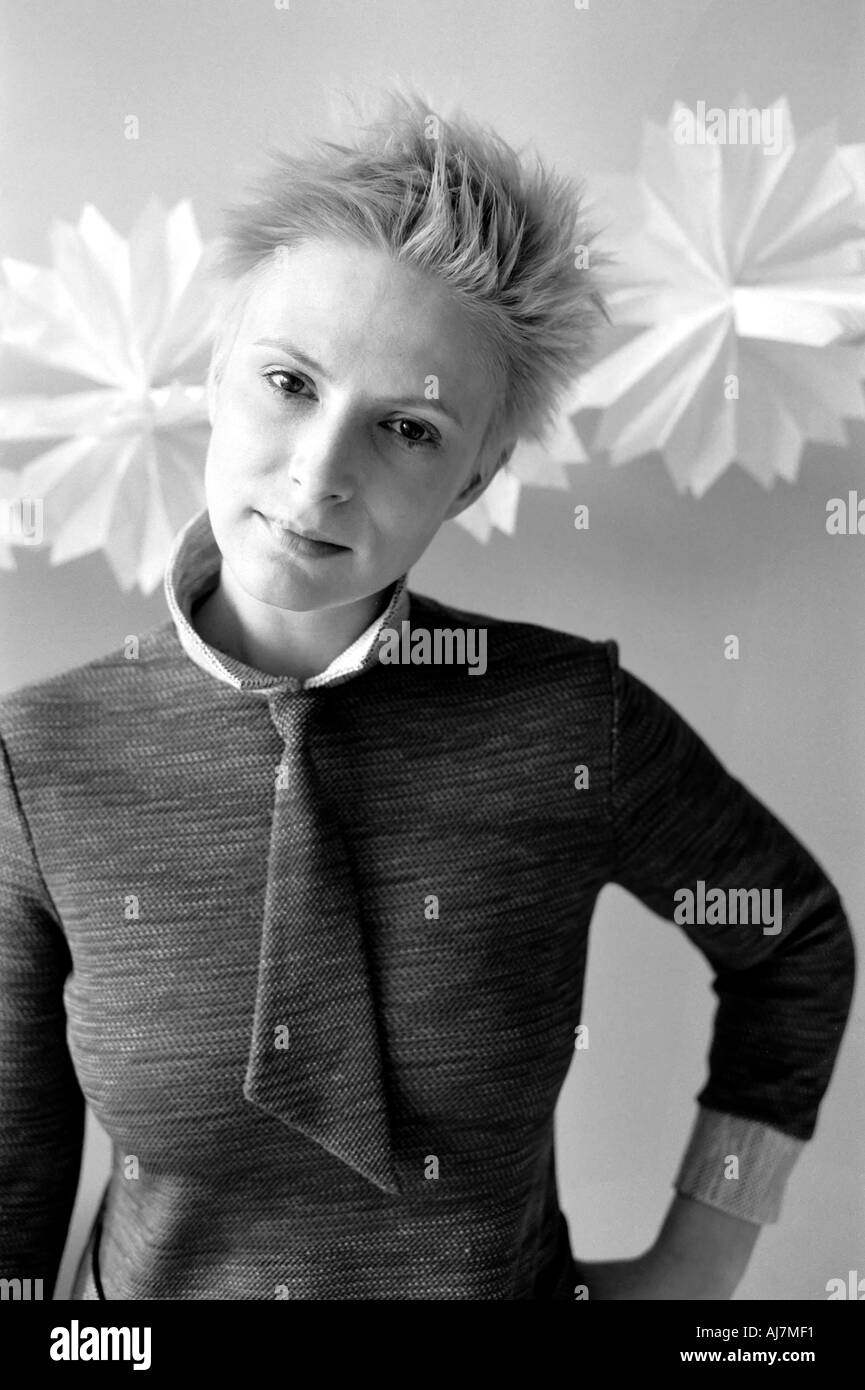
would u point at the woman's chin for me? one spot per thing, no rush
(285, 585)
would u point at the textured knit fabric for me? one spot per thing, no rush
(138, 800)
(767, 1154)
(764, 1159)
(315, 1061)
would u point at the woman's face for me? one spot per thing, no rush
(352, 403)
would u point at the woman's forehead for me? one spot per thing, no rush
(357, 312)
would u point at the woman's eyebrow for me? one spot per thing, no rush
(305, 360)
(293, 351)
(423, 404)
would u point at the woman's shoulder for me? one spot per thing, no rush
(511, 637)
(90, 689)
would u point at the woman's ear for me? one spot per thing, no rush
(480, 480)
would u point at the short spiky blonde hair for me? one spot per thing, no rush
(451, 198)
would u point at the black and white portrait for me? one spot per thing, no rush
(433, 518)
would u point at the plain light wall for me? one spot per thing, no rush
(666, 576)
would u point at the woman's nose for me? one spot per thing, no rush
(320, 457)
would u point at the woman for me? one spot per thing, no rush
(301, 908)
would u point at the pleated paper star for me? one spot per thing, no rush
(136, 317)
(531, 465)
(746, 270)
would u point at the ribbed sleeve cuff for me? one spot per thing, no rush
(738, 1165)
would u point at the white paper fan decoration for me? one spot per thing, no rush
(137, 317)
(746, 269)
(530, 465)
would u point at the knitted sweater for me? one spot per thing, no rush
(136, 798)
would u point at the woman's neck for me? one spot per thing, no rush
(279, 641)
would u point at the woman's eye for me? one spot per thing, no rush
(409, 432)
(421, 435)
(295, 387)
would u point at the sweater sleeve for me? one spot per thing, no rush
(41, 1105)
(782, 958)
(764, 1158)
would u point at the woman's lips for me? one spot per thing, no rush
(294, 544)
